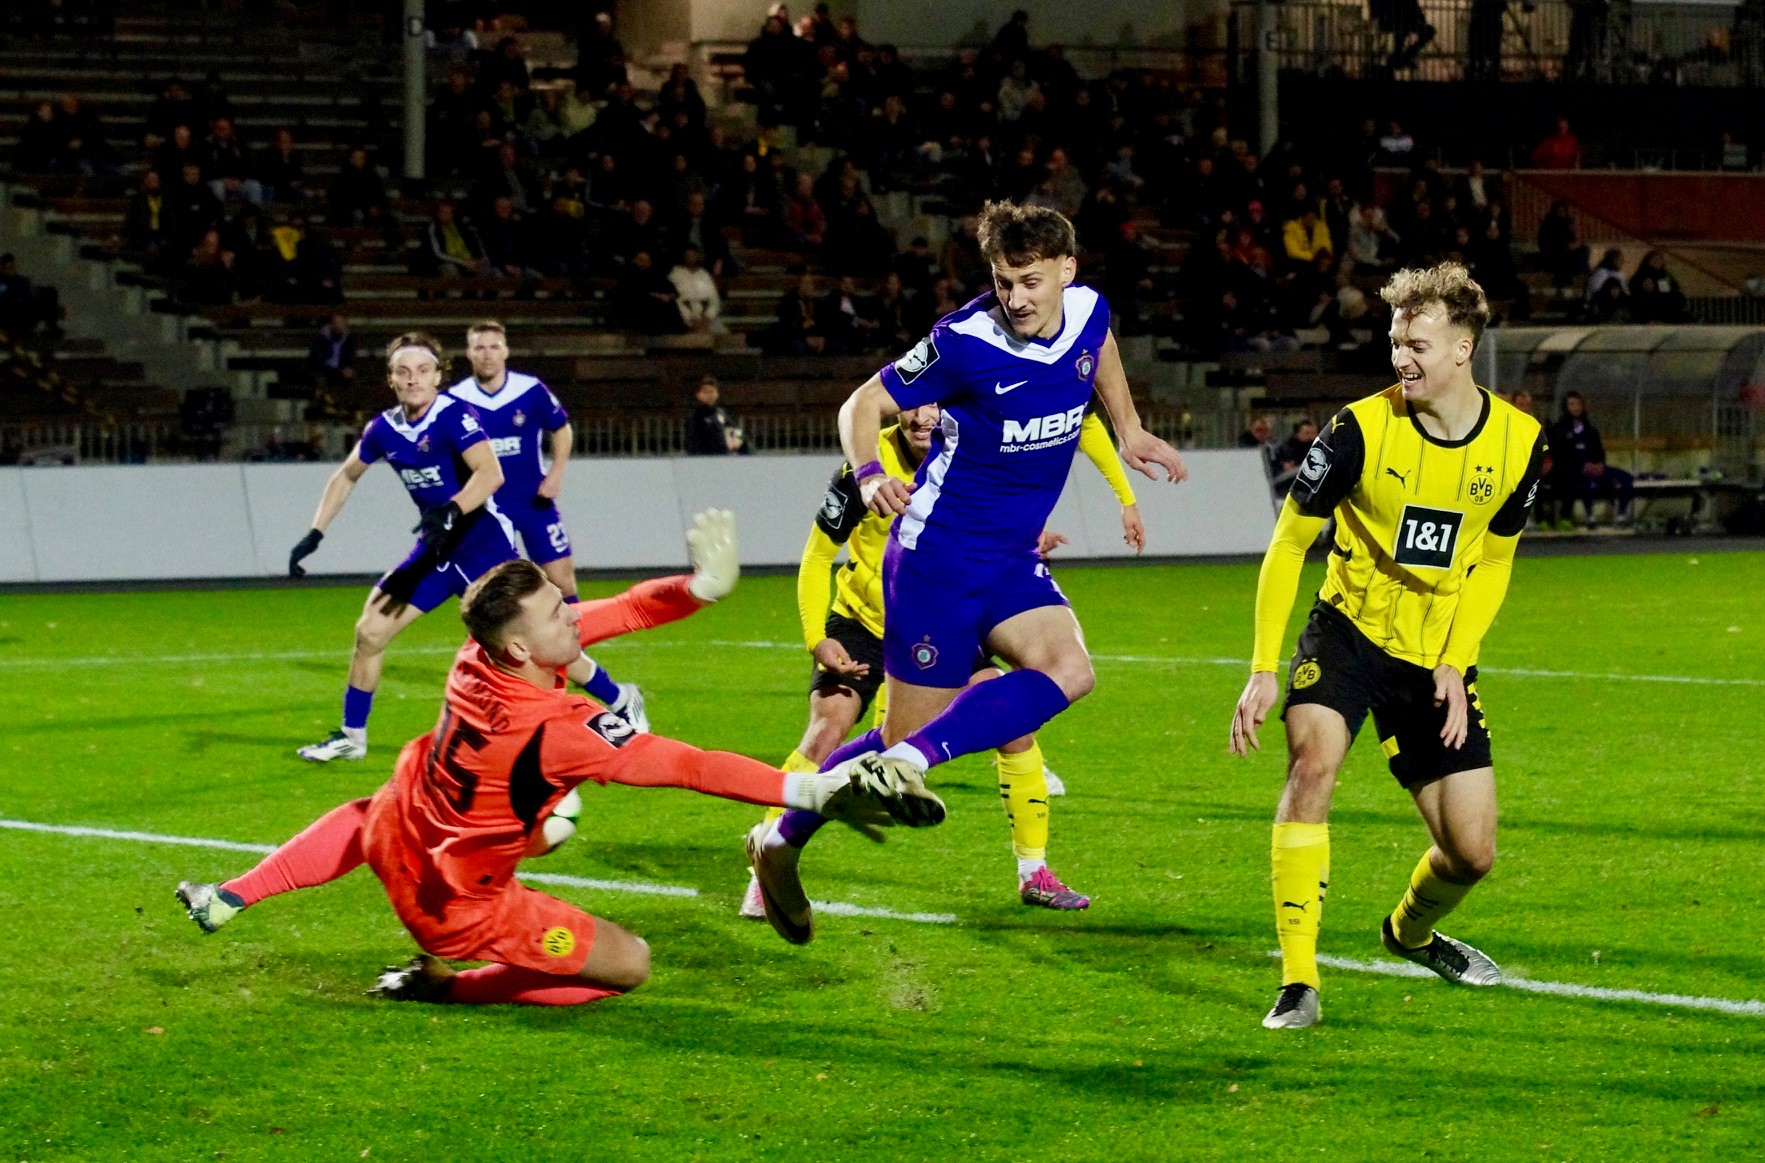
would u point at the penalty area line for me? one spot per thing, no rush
(1720, 1005)
(642, 888)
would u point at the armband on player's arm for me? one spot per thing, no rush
(1278, 582)
(1095, 442)
(815, 584)
(1480, 599)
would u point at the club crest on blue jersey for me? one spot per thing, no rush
(925, 655)
(520, 417)
(423, 443)
(1087, 364)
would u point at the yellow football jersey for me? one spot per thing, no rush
(1412, 512)
(844, 520)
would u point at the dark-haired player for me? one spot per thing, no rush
(1013, 371)
(438, 448)
(525, 423)
(1430, 482)
(470, 799)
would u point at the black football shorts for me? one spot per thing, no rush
(1337, 666)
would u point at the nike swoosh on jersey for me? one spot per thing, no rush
(1008, 387)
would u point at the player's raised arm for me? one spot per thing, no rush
(862, 418)
(331, 502)
(1139, 447)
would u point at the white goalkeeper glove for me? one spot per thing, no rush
(716, 561)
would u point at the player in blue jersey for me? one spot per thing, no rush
(526, 424)
(438, 447)
(1013, 371)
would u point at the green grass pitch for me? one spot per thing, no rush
(1631, 858)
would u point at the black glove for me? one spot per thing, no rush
(441, 529)
(303, 549)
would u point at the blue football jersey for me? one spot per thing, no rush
(515, 417)
(425, 454)
(1012, 413)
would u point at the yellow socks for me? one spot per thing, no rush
(1301, 858)
(1025, 792)
(1430, 897)
(794, 762)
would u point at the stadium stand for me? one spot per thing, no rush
(248, 185)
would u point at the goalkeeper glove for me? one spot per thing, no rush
(716, 561)
(303, 549)
(441, 529)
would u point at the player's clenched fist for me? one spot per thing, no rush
(1254, 704)
(882, 494)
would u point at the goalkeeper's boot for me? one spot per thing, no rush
(208, 904)
(785, 905)
(895, 785)
(423, 979)
(339, 744)
(1453, 960)
(753, 907)
(629, 706)
(1044, 890)
(1056, 785)
(1295, 1009)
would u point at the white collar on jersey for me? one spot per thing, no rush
(1078, 304)
(395, 417)
(515, 385)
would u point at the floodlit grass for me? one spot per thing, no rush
(1631, 857)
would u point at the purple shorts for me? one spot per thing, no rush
(939, 610)
(541, 527)
(486, 546)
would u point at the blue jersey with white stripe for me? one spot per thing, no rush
(1012, 412)
(516, 417)
(426, 454)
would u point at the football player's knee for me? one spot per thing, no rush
(1310, 772)
(371, 634)
(1075, 678)
(636, 969)
(819, 741)
(1471, 862)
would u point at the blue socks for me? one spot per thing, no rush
(601, 686)
(356, 705)
(988, 714)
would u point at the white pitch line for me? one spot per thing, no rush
(223, 658)
(644, 888)
(1560, 988)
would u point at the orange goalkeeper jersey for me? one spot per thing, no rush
(470, 793)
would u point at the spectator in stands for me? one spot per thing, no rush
(1012, 41)
(173, 107)
(1655, 296)
(280, 171)
(640, 231)
(1610, 304)
(696, 293)
(859, 245)
(1560, 151)
(208, 274)
(24, 307)
(850, 318)
(961, 261)
(1578, 466)
(302, 266)
(1492, 265)
(645, 301)
(177, 151)
(545, 132)
(39, 141)
(247, 235)
(194, 210)
(1291, 454)
(505, 66)
(710, 430)
(1259, 433)
(1127, 277)
(147, 222)
(799, 327)
(1609, 270)
(358, 196)
(1305, 236)
(898, 321)
(774, 66)
(916, 267)
(454, 248)
(1561, 252)
(1372, 244)
(560, 239)
(600, 58)
(331, 358)
(695, 225)
(451, 124)
(82, 146)
(1479, 192)
(749, 200)
(506, 246)
(228, 168)
(1396, 146)
(805, 225)
(680, 94)
(507, 178)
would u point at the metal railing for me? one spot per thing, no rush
(53, 442)
(1595, 41)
